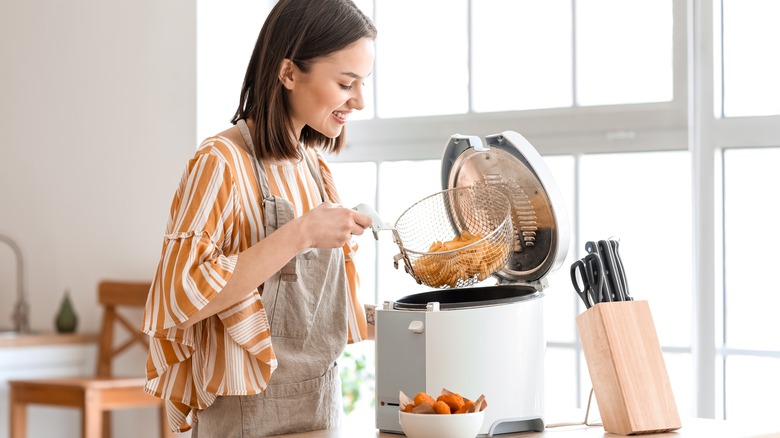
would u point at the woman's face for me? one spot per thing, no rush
(324, 97)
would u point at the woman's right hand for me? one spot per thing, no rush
(331, 225)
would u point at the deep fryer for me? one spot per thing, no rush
(481, 339)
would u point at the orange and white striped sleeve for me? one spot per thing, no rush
(192, 268)
(191, 271)
(356, 316)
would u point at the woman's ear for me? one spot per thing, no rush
(287, 74)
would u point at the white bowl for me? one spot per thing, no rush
(441, 425)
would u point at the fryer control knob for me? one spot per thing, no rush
(417, 327)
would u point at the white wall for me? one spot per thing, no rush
(97, 120)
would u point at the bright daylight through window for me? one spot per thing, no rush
(601, 89)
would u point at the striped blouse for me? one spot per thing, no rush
(215, 214)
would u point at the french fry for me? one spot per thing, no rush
(466, 261)
(452, 244)
(438, 270)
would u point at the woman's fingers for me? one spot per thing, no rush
(331, 225)
(362, 221)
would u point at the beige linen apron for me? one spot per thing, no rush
(307, 310)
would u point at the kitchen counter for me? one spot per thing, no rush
(692, 427)
(10, 340)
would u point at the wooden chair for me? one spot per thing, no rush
(95, 396)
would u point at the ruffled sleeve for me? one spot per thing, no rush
(191, 272)
(192, 267)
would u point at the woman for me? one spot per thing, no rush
(254, 297)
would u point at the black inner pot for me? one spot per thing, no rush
(468, 297)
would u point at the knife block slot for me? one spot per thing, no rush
(627, 368)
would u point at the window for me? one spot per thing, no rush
(751, 353)
(624, 51)
(433, 58)
(422, 62)
(601, 89)
(546, 59)
(750, 71)
(511, 70)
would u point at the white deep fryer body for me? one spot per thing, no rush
(496, 351)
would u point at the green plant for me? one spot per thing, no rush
(357, 381)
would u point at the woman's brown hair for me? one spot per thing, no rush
(302, 31)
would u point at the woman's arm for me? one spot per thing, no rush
(370, 321)
(327, 226)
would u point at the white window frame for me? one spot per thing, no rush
(686, 122)
(710, 135)
(572, 130)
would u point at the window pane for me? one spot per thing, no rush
(401, 184)
(367, 6)
(752, 388)
(643, 200)
(679, 367)
(522, 54)
(750, 253)
(624, 51)
(560, 301)
(560, 381)
(356, 183)
(356, 368)
(750, 71)
(422, 57)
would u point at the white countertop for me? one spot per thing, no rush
(691, 427)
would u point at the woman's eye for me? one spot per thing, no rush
(345, 87)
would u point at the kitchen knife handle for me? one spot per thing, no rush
(621, 270)
(610, 265)
(592, 248)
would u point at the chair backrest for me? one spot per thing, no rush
(113, 295)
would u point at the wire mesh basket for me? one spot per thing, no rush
(456, 237)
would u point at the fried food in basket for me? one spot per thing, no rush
(437, 268)
(447, 403)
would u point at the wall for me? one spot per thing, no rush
(97, 120)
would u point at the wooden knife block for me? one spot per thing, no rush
(627, 368)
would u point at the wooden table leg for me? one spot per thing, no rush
(18, 418)
(106, 424)
(91, 418)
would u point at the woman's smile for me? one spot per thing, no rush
(341, 116)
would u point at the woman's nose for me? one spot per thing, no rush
(356, 101)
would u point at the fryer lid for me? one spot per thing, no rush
(510, 163)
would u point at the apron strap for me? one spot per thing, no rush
(315, 171)
(261, 175)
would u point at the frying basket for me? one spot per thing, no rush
(472, 224)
